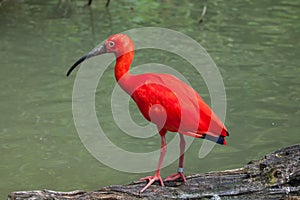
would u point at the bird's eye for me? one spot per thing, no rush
(111, 44)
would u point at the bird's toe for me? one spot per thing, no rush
(151, 180)
(173, 177)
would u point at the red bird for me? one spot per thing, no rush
(163, 100)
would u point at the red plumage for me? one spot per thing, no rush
(184, 109)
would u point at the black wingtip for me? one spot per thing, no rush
(227, 133)
(218, 140)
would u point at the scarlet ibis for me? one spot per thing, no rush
(164, 100)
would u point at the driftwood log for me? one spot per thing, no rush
(276, 176)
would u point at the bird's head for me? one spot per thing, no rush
(119, 44)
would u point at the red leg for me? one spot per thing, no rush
(179, 174)
(157, 176)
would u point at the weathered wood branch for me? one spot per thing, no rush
(276, 176)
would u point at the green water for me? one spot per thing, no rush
(255, 44)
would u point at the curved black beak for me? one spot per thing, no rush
(94, 52)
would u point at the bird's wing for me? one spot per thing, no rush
(186, 110)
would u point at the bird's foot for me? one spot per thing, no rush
(176, 176)
(151, 180)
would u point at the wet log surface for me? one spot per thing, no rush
(276, 176)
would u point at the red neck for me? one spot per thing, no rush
(123, 65)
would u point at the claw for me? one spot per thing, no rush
(176, 176)
(151, 180)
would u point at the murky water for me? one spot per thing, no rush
(255, 44)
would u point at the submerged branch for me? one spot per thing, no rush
(106, 5)
(202, 14)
